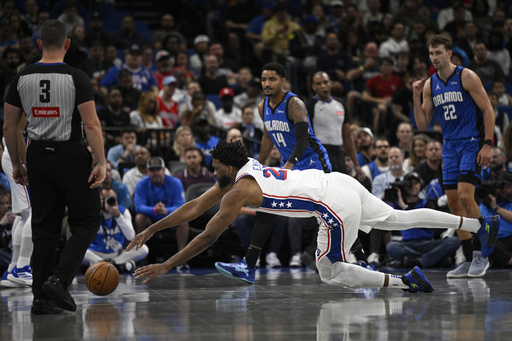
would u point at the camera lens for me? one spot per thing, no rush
(111, 201)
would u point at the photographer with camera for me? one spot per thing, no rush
(116, 230)
(418, 246)
(395, 173)
(501, 203)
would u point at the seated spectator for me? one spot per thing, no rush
(499, 89)
(183, 139)
(211, 82)
(195, 172)
(488, 70)
(156, 196)
(404, 134)
(167, 108)
(127, 36)
(418, 246)
(123, 152)
(70, 16)
(432, 167)
(502, 120)
(131, 96)
(251, 97)
(204, 139)
(199, 108)
(96, 66)
(6, 221)
(363, 138)
(115, 231)
(251, 133)
(146, 116)
(122, 193)
(96, 33)
(381, 162)
(201, 44)
(501, 204)
(417, 152)
(168, 26)
(163, 67)
(114, 115)
(228, 115)
(497, 165)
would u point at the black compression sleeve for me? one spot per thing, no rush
(302, 135)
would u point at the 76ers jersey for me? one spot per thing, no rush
(290, 193)
(455, 109)
(282, 133)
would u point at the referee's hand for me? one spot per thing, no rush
(97, 175)
(19, 174)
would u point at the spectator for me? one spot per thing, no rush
(227, 66)
(401, 103)
(418, 246)
(30, 15)
(395, 173)
(501, 203)
(146, 116)
(156, 196)
(199, 108)
(115, 231)
(142, 78)
(432, 168)
(497, 164)
(252, 135)
(364, 142)
(488, 70)
(469, 38)
(127, 37)
(251, 97)
(275, 35)
(141, 157)
(481, 18)
(167, 27)
(182, 65)
(404, 134)
(204, 140)
(502, 120)
(123, 152)
(96, 33)
(238, 17)
(201, 48)
(228, 115)
(114, 116)
(183, 139)
(122, 193)
(131, 95)
(96, 66)
(335, 62)
(70, 16)
(11, 58)
(210, 81)
(378, 93)
(194, 172)
(381, 163)
(111, 55)
(6, 221)
(446, 15)
(167, 108)
(255, 29)
(396, 43)
(499, 89)
(497, 52)
(147, 58)
(417, 152)
(163, 67)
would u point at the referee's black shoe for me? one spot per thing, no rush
(56, 290)
(41, 306)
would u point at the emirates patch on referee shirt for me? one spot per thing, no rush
(46, 111)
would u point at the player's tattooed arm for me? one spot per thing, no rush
(297, 111)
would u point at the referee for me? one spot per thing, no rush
(57, 100)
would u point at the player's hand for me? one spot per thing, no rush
(484, 155)
(288, 165)
(360, 173)
(150, 271)
(19, 175)
(97, 176)
(139, 240)
(417, 87)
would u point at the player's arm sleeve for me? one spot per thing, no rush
(125, 224)
(302, 135)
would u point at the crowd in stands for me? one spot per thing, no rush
(166, 96)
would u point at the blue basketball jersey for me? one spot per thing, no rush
(282, 133)
(455, 109)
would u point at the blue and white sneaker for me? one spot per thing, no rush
(363, 264)
(416, 281)
(21, 276)
(488, 233)
(5, 283)
(238, 271)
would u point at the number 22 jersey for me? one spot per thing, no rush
(455, 109)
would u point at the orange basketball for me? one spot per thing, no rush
(101, 278)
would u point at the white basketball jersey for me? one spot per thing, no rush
(287, 192)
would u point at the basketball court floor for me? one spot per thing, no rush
(284, 304)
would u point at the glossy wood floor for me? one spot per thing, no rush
(285, 304)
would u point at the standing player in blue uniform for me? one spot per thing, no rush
(456, 97)
(287, 126)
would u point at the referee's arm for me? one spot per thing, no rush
(12, 117)
(92, 128)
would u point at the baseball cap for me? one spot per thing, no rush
(366, 130)
(134, 49)
(156, 162)
(200, 120)
(162, 54)
(169, 80)
(336, 3)
(505, 176)
(226, 92)
(413, 175)
(202, 38)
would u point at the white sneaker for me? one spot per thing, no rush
(272, 260)
(295, 261)
(373, 258)
(460, 271)
(479, 265)
(21, 276)
(4, 282)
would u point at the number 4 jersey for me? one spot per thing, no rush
(291, 193)
(50, 94)
(282, 133)
(455, 109)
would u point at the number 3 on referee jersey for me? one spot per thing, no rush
(44, 96)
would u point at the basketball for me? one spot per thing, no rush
(101, 278)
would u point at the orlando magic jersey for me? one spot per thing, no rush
(455, 109)
(290, 193)
(282, 133)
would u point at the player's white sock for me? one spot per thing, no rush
(16, 242)
(27, 246)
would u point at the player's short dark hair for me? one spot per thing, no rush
(278, 68)
(53, 33)
(230, 153)
(441, 39)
